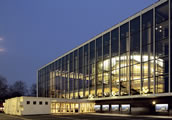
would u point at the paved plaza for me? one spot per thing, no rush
(83, 117)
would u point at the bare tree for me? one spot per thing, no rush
(3, 88)
(19, 88)
(32, 90)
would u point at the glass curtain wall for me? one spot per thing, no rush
(58, 79)
(92, 69)
(66, 95)
(99, 67)
(124, 59)
(71, 76)
(106, 64)
(63, 77)
(47, 82)
(147, 53)
(131, 59)
(135, 58)
(115, 61)
(162, 48)
(52, 81)
(86, 71)
(81, 72)
(76, 74)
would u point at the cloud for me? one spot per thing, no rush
(2, 50)
(1, 39)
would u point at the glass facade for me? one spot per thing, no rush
(132, 58)
(69, 107)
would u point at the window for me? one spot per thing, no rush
(34, 102)
(135, 35)
(97, 108)
(99, 48)
(27, 102)
(92, 51)
(124, 33)
(114, 108)
(125, 108)
(46, 103)
(161, 107)
(40, 102)
(106, 40)
(115, 41)
(162, 48)
(105, 108)
(147, 52)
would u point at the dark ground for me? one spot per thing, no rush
(81, 117)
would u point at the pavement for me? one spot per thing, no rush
(90, 116)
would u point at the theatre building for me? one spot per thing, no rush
(123, 69)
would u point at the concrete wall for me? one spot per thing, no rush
(12, 106)
(19, 106)
(37, 105)
(33, 109)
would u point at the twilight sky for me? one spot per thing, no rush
(35, 32)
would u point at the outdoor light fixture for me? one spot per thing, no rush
(153, 102)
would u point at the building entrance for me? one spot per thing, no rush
(71, 107)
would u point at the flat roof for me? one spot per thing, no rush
(108, 30)
(61, 100)
(132, 97)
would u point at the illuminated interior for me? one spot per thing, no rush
(135, 77)
(129, 59)
(60, 107)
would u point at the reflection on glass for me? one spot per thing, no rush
(114, 108)
(99, 92)
(105, 108)
(97, 108)
(125, 108)
(106, 91)
(161, 107)
(120, 60)
(68, 107)
(135, 77)
(162, 47)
